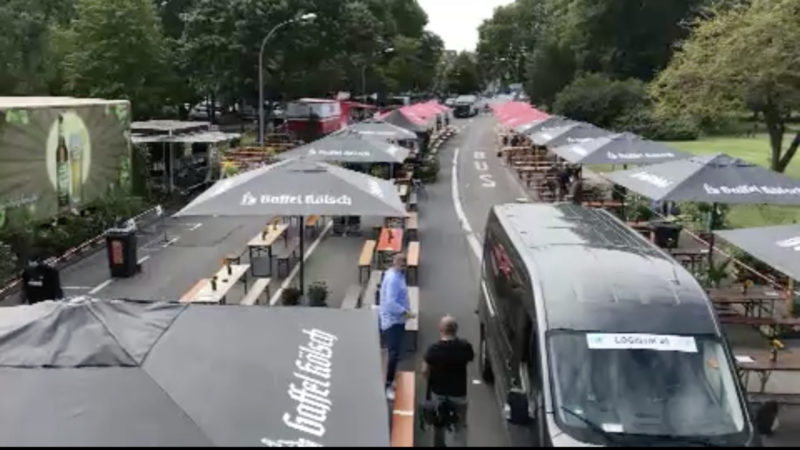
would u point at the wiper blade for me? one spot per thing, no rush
(592, 426)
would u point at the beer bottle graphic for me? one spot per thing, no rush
(76, 166)
(62, 167)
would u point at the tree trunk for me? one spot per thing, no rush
(787, 157)
(775, 128)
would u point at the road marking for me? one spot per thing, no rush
(171, 241)
(480, 155)
(471, 239)
(481, 166)
(275, 298)
(195, 226)
(100, 286)
(143, 259)
(76, 288)
(487, 181)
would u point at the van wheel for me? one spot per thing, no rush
(484, 361)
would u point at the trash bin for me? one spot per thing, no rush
(666, 234)
(121, 251)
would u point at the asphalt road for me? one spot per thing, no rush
(449, 276)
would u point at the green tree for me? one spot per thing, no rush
(115, 49)
(506, 40)
(27, 66)
(745, 58)
(463, 77)
(597, 99)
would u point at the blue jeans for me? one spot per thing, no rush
(393, 338)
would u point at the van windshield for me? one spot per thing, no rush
(645, 385)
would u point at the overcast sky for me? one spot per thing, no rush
(457, 21)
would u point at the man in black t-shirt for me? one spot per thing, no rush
(445, 368)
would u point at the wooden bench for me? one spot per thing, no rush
(365, 260)
(403, 410)
(260, 286)
(287, 257)
(216, 289)
(312, 225)
(412, 227)
(369, 299)
(412, 263)
(412, 201)
(352, 297)
(412, 325)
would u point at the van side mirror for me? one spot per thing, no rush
(516, 408)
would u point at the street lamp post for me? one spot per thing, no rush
(304, 18)
(364, 75)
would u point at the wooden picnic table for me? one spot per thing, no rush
(265, 240)
(204, 291)
(760, 361)
(390, 241)
(693, 256)
(602, 204)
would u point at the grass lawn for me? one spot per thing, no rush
(757, 151)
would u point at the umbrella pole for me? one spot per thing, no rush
(302, 254)
(711, 235)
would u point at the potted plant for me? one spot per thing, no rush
(716, 273)
(317, 294)
(291, 296)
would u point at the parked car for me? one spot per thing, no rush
(200, 111)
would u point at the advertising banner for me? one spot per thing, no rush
(54, 159)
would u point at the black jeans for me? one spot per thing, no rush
(393, 338)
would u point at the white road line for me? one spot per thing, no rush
(76, 288)
(471, 239)
(100, 286)
(171, 241)
(195, 226)
(143, 259)
(277, 296)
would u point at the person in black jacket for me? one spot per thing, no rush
(445, 368)
(40, 282)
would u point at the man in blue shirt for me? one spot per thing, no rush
(393, 313)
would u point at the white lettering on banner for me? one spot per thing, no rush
(636, 155)
(481, 166)
(745, 189)
(790, 243)
(653, 179)
(662, 343)
(354, 153)
(578, 149)
(393, 150)
(311, 391)
(480, 155)
(579, 140)
(248, 199)
(375, 188)
(487, 181)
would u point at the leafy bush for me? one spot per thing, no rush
(291, 296)
(8, 262)
(600, 100)
(643, 121)
(429, 171)
(317, 294)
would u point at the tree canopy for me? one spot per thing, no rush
(744, 58)
(169, 52)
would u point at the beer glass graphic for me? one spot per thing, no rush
(76, 166)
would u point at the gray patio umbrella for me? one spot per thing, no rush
(349, 147)
(573, 133)
(536, 125)
(712, 179)
(298, 187)
(622, 148)
(778, 246)
(112, 373)
(381, 130)
(396, 117)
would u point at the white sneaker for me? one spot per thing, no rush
(390, 393)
